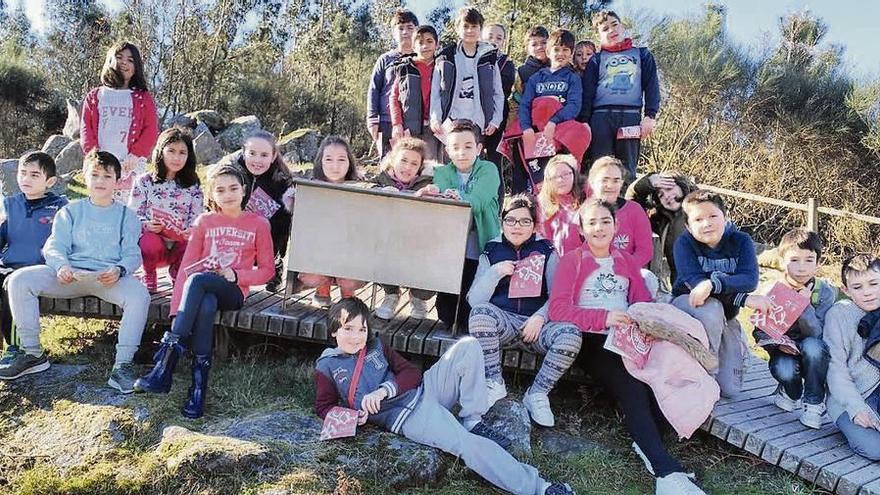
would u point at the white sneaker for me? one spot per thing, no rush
(419, 308)
(497, 391)
(677, 484)
(388, 307)
(812, 415)
(644, 458)
(784, 402)
(321, 301)
(538, 406)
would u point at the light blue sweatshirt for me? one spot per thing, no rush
(90, 237)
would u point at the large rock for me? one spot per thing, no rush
(210, 118)
(70, 159)
(556, 442)
(237, 131)
(510, 418)
(8, 169)
(300, 145)
(207, 149)
(181, 121)
(74, 119)
(186, 453)
(396, 460)
(55, 144)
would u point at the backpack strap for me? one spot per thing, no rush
(356, 377)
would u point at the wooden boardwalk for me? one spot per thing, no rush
(749, 421)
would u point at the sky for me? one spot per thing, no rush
(852, 23)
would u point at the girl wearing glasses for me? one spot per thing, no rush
(499, 319)
(561, 195)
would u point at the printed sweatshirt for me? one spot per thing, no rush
(185, 203)
(90, 237)
(27, 225)
(634, 235)
(144, 129)
(247, 236)
(621, 77)
(563, 84)
(851, 377)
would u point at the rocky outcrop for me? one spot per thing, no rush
(232, 138)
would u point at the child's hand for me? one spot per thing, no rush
(490, 130)
(65, 275)
(647, 126)
(154, 227)
(109, 276)
(504, 268)
(429, 190)
(374, 131)
(617, 318)
(550, 131)
(129, 164)
(530, 133)
(436, 128)
(660, 181)
(700, 293)
(452, 194)
(760, 303)
(373, 401)
(532, 328)
(866, 420)
(362, 417)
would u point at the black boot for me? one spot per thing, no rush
(275, 282)
(195, 405)
(158, 380)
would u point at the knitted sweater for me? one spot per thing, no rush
(851, 378)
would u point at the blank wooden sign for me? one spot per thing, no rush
(377, 236)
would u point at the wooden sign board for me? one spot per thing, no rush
(378, 236)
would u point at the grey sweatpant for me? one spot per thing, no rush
(28, 284)
(459, 378)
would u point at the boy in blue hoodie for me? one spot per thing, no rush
(717, 269)
(390, 392)
(92, 251)
(28, 223)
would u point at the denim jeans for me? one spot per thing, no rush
(203, 295)
(803, 374)
(863, 441)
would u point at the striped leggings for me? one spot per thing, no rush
(495, 329)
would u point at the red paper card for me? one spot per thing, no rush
(630, 342)
(789, 307)
(173, 224)
(539, 147)
(340, 422)
(629, 132)
(210, 263)
(260, 202)
(528, 276)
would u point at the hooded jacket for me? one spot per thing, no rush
(26, 228)
(481, 191)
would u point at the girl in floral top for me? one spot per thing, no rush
(167, 202)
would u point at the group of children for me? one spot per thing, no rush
(589, 240)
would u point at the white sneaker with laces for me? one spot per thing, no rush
(497, 391)
(419, 308)
(538, 406)
(784, 402)
(388, 307)
(812, 415)
(677, 484)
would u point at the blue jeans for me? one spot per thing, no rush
(804, 374)
(863, 441)
(203, 295)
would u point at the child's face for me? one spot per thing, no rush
(582, 55)
(611, 31)
(463, 149)
(706, 223)
(494, 35)
(100, 183)
(598, 227)
(518, 225)
(335, 163)
(258, 156)
(864, 289)
(33, 181)
(467, 32)
(560, 56)
(174, 156)
(406, 165)
(800, 264)
(670, 197)
(402, 34)
(227, 192)
(537, 47)
(425, 45)
(124, 64)
(352, 335)
(561, 179)
(607, 183)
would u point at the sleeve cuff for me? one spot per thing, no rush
(716, 283)
(391, 388)
(740, 299)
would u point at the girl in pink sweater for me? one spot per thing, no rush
(229, 251)
(593, 288)
(120, 116)
(558, 203)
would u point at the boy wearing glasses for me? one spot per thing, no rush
(509, 307)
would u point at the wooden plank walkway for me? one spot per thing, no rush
(749, 421)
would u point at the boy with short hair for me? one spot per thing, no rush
(403, 24)
(618, 82)
(853, 381)
(583, 52)
(467, 81)
(536, 59)
(92, 251)
(392, 393)
(410, 101)
(717, 269)
(801, 372)
(27, 225)
(496, 35)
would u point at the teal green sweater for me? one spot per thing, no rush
(481, 191)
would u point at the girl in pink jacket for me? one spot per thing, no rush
(120, 116)
(593, 287)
